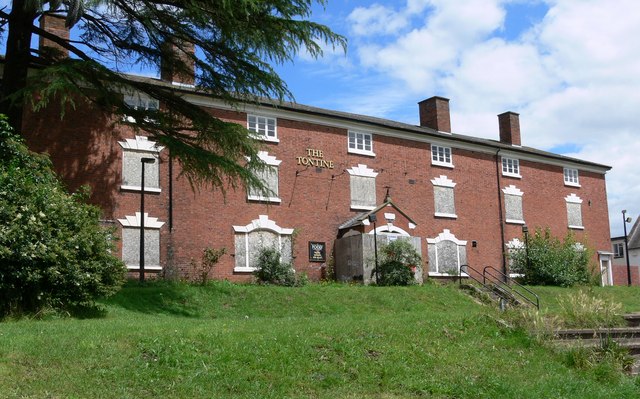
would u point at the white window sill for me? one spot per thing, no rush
(569, 184)
(244, 269)
(362, 208)
(576, 227)
(269, 139)
(515, 221)
(514, 175)
(274, 200)
(438, 274)
(146, 189)
(446, 215)
(146, 267)
(443, 164)
(361, 152)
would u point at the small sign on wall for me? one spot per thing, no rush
(317, 251)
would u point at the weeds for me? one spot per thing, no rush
(584, 310)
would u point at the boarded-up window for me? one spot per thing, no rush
(133, 150)
(131, 241)
(574, 211)
(261, 233)
(269, 177)
(513, 205)
(363, 187)
(443, 197)
(446, 254)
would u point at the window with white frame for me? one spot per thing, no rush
(360, 143)
(269, 177)
(363, 187)
(571, 177)
(441, 156)
(511, 167)
(513, 205)
(618, 250)
(443, 197)
(261, 233)
(131, 241)
(446, 254)
(265, 127)
(133, 150)
(574, 211)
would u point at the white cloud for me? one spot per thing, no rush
(573, 77)
(376, 19)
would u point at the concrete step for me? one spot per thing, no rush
(633, 319)
(631, 344)
(627, 337)
(588, 333)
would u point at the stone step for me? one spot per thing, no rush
(633, 319)
(588, 333)
(631, 344)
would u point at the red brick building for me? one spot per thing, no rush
(466, 199)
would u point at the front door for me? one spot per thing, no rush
(605, 269)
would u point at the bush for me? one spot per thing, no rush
(53, 251)
(549, 261)
(399, 260)
(272, 271)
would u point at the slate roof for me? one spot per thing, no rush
(359, 218)
(380, 122)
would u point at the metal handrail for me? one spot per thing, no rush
(506, 281)
(467, 267)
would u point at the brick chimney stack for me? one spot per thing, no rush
(169, 71)
(55, 25)
(434, 114)
(509, 128)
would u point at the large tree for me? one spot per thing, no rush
(236, 43)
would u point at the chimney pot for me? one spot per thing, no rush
(509, 123)
(434, 114)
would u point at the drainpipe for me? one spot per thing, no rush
(502, 248)
(170, 192)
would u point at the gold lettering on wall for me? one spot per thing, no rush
(314, 158)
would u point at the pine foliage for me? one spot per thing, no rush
(236, 43)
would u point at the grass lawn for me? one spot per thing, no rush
(318, 341)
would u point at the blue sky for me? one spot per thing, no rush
(571, 68)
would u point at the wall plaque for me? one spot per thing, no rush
(317, 251)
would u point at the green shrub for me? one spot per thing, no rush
(53, 251)
(548, 261)
(399, 260)
(271, 270)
